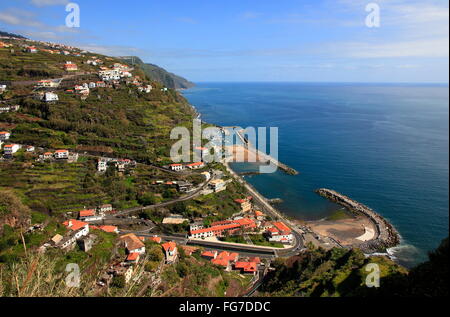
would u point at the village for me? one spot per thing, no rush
(245, 242)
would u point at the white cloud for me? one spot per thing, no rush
(43, 3)
(434, 48)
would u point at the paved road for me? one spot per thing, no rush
(167, 203)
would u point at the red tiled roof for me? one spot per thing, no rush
(209, 254)
(282, 227)
(109, 228)
(61, 151)
(221, 262)
(169, 246)
(133, 256)
(196, 164)
(74, 224)
(132, 241)
(156, 239)
(246, 266)
(216, 228)
(87, 213)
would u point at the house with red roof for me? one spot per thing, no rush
(5, 135)
(109, 229)
(10, 149)
(171, 251)
(61, 154)
(176, 167)
(209, 255)
(219, 229)
(155, 239)
(245, 204)
(133, 257)
(246, 267)
(196, 165)
(225, 259)
(69, 66)
(78, 229)
(133, 243)
(280, 232)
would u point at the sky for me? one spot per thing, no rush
(254, 40)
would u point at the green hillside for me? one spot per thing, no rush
(159, 74)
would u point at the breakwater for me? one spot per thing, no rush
(262, 156)
(386, 235)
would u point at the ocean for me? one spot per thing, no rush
(384, 145)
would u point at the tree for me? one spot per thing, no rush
(118, 281)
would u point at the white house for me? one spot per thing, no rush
(10, 149)
(2, 88)
(62, 154)
(31, 49)
(4, 135)
(104, 208)
(102, 165)
(280, 233)
(133, 244)
(176, 167)
(5, 109)
(50, 97)
(30, 148)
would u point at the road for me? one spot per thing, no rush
(167, 203)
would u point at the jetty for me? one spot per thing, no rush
(269, 159)
(386, 236)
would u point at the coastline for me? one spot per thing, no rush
(386, 236)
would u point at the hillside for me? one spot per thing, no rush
(340, 272)
(159, 74)
(2, 33)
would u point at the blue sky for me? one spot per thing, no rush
(254, 40)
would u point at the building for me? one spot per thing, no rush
(171, 251)
(196, 165)
(62, 154)
(109, 229)
(209, 255)
(10, 149)
(48, 155)
(78, 229)
(176, 167)
(133, 243)
(47, 84)
(2, 88)
(222, 228)
(279, 232)
(217, 185)
(104, 208)
(184, 187)
(69, 66)
(201, 152)
(245, 204)
(155, 239)
(102, 165)
(85, 243)
(225, 259)
(246, 267)
(4, 135)
(89, 215)
(31, 49)
(133, 257)
(50, 97)
(196, 226)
